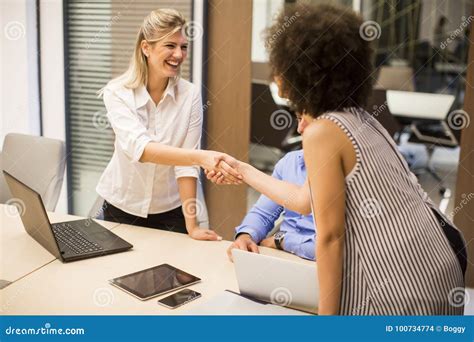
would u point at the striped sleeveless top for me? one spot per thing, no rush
(397, 258)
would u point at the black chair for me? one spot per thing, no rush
(378, 107)
(434, 134)
(272, 125)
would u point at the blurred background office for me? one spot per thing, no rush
(57, 54)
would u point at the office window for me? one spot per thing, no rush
(99, 40)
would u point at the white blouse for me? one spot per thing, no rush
(147, 188)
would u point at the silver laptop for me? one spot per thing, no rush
(277, 281)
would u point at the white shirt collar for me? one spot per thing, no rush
(142, 96)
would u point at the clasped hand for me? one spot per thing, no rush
(221, 168)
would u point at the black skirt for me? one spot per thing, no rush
(172, 220)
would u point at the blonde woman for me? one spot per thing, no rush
(157, 117)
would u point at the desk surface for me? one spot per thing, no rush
(20, 254)
(417, 105)
(82, 287)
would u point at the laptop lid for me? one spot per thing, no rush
(33, 214)
(277, 280)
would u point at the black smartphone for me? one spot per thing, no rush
(179, 298)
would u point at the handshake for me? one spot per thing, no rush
(221, 168)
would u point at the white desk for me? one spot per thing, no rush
(451, 68)
(82, 287)
(20, 254)
(416, 105)
(278, 100)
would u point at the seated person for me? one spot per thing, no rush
(296, 234)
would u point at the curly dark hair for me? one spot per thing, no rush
(321, 58)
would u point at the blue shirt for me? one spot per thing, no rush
(299, 229)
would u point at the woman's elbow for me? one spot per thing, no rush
(305, 209)
(298, 204)
(330, 236)
(302, 208)
(304, 205)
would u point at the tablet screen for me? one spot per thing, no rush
(154, 281)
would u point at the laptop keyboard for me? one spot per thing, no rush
(74, 239)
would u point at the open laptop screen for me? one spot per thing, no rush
(33, 214)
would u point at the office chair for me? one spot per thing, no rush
(423, 53)
(38, 162)
(272, 125)
(434, 134)
(395, 78)
(261, 72)
(4, 191)
(424, 117)
(378, 107)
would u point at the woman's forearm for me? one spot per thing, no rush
(168, 155)
(187, 193)
(329, 256)
(288, 195)
(209, 160)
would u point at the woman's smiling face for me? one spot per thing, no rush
(165, 57)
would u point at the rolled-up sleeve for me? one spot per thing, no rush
(193, 136)
(130, 134)
(260, 220)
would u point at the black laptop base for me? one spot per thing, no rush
(92, 240)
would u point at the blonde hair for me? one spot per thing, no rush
(157, 25)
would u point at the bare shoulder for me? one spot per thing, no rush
(324, 138)
(324, 131)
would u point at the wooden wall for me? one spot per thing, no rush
(228, 107)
